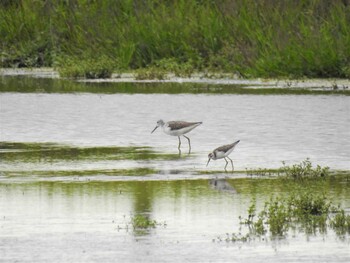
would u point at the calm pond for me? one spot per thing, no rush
(78, 162)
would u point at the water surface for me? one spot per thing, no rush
(272, 128)
(88, 221)
(78, 161)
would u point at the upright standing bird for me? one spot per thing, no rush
(177, 128)
(223, 152)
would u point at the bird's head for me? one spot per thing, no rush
(210, 156)
(159, 123)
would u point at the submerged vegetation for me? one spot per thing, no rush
(91, 39)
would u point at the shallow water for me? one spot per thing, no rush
(76, 166)
(272, 128)
(89, 222)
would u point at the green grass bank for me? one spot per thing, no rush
(268, 38)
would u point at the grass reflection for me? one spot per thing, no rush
(149, 198)
(46, 85)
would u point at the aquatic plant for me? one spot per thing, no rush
(140, 221)
(301, 170)
(341, 223)
(275, 215)
(236, 237)
(302, 210)
(304, 170)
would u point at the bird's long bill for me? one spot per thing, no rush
(208, 161)
(154, 129)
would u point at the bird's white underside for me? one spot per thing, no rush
(178, 132)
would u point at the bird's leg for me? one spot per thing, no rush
(231, 162)
(226, 164)
(189, 143)
(179, 142)
(179, 145)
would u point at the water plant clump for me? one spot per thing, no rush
(304, 170)
(341, 223)
(301, 211)
(142, 224)
(140, 221)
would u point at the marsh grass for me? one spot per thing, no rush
(266, 38)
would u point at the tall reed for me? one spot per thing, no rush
(268, 38)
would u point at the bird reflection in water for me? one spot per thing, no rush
(221, 184)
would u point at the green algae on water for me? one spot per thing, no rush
(49, 152)
(81, 173)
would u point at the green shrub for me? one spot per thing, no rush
(88, 68)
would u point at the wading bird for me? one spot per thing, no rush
(177, 128)
(223, 152)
